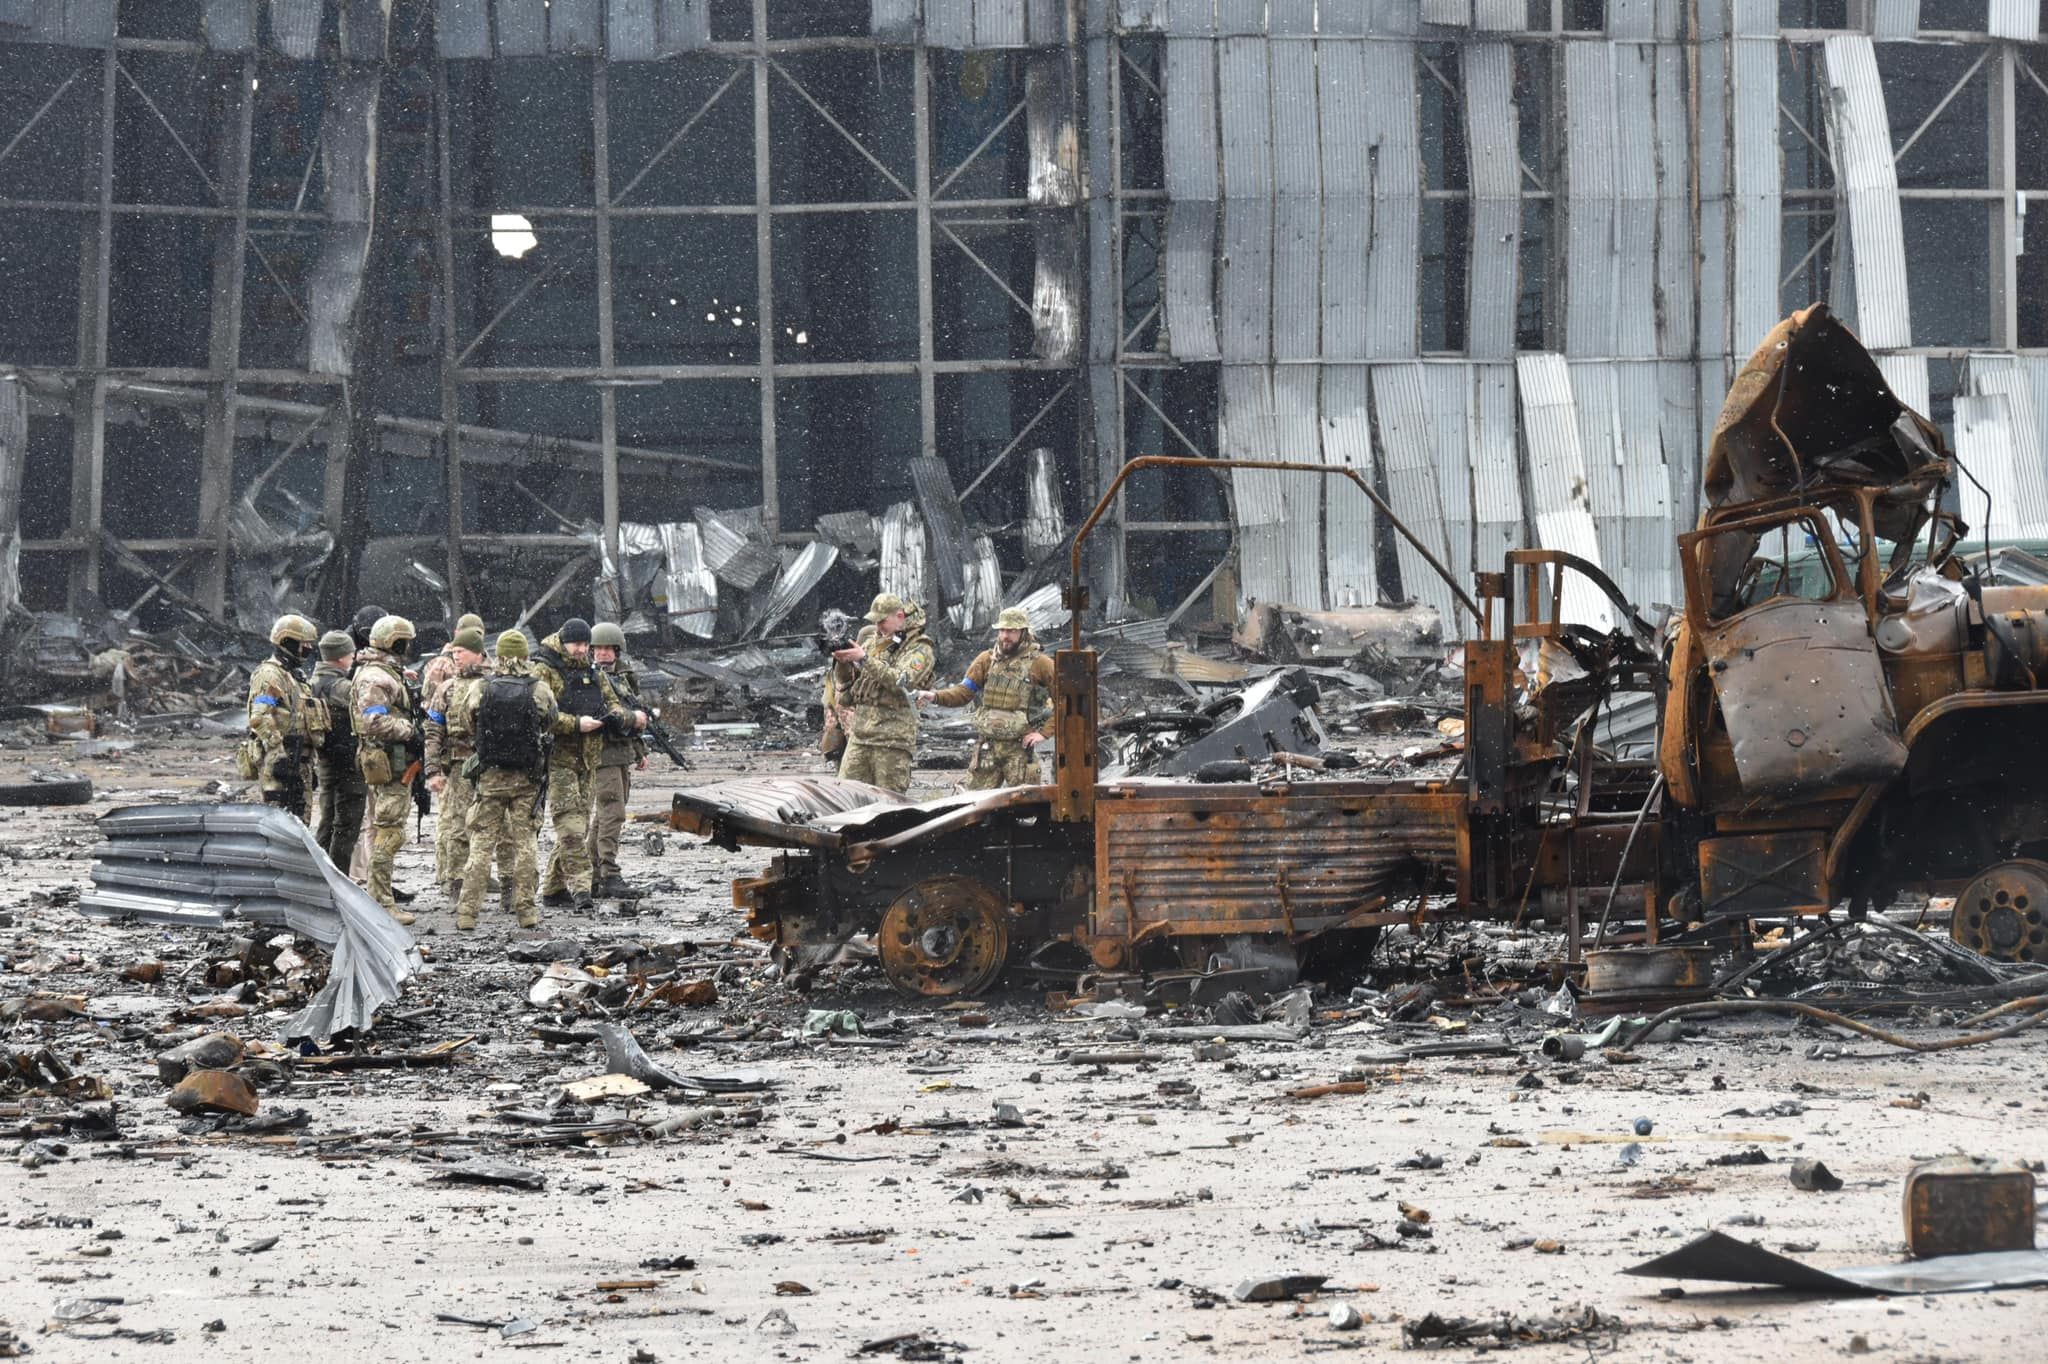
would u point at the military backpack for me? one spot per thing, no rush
(510, 732)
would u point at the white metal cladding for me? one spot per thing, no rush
(1906, 376)
(1862, 149)
(1991, 504)
(1192, 186)
(1679, 425)
(906, 568)
(1348, 517)
(1632, 19)
(2035, 367)
(692, 589)
(1592, 252)
(893, 21)
(522, 28)
(997, 23)
(1755, 220)
(2006, 381)
(1645, 481)
(229, 25)
(1257, 497)
(1292, 17)
(1245, 291)
(1407, 449)
(949, 23)
(1677, 243)
(1347, 200)
(574, 26)
(1393, 260)
(630, 33)
(2016, 19)
(1499, 16)
(1447, 387)
(1714, 217)
(1449, 13)
(1496, 468)
(1894, 18)
(1635, 199)
(1490, 133)
(1301, 495)
(1600, 446)
(1196, 18)
(1141, 16)
(1240, 18)
(1297, 206)
(1558, 493)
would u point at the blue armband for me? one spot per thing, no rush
(368, 711)
(970, 684)
(437, 717)
(265, 701)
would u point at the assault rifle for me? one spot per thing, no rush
(415, 776)
(656, 733)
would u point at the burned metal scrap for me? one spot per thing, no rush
(203, 866)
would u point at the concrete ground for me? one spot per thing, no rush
(876, 1197)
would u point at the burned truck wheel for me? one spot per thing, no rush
(2003, 912)
(945, 936)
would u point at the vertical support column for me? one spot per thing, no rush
(921, 131)
(2002, 73)
(1099, 124)
(764, 276)
(89, 395)
(451, 395)
(608, 403)
(13, 461)
(224, 345)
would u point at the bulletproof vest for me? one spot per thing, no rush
(338, 744)
(510, 732)
(582, 693)
(1005, 695)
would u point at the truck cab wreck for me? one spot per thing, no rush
(1846, 710)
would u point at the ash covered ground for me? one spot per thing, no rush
(985, 1181)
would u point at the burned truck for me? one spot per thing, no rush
(1848, 709)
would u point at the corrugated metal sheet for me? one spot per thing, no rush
(1906, 376)
(1714, 230)
(1347, 204)
(1597, 414)
(229, 25)
(1592, 250)
(1045, 520)
(893, 21)
(1499, 16)
(1141, 16)
(1646, 482)
(1047, 610)
(1240, 18)
(1301, 495)
(1490, 132)
(365, 30)
(522, 28)
(999, 23)
(1394, 258)
(945, 524)
(348, 158)
(1191, 18)
(1496, 468)
(1680, 422)
(983, 594)
(1056, 288)
(1754, 220)
(1295, 18)
(1193, 183)
(1448, 386)
(1869, 185)
(685, 25)
(1985, 446)
(1348, 515)
(949, 23)
(1408, 454)
(462, 28)
(1677, 243)
(631, 32)
(797, 580)
(1045, 22)
(294, 27)
(1297, 207)
(2019, 20)
(2022, 504)
(740, 560)
(1635, 207)
(1558, 487)
(688, 584)
(1258, 501)
(1447, 13)
(1053, 143)
(1245, 289)
(1894, 18)
(906, 559)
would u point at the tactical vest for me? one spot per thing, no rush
(338, 745)
(877, 685)
(1004, 712)
(510, 733)
(582, 693)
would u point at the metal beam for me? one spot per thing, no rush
(224, 345)
(89, 406)
(921, 134)
(451, 393)
(607, 396)
(764, 280)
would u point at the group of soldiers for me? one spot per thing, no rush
(494, 733)
(875, 686)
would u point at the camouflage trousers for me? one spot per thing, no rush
(288, 795)
(501, 829)
(888, 768)
(610, 787)
(340, 814)
(1001, 762)
(390, 804)
(451, 828)
(569, 807)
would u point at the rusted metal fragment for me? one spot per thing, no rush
(773, 812)
(1765, 873)
(1804, 697)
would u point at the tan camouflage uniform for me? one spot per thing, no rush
(884, 733)
(611, 786)
(502, 813)
(384, 725)
(571, 765)
(1003, 685)
(288, 726)
(343, 796)
(450, 741)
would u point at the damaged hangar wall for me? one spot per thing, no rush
(1499, 255)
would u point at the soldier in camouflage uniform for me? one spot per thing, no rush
(385, 728)
(283, 720)
(585, 703)
(342, 793)
(876, 677)
(504, 809)
(611, 786)
(1008, 722)
(434, 673)
(448, 747)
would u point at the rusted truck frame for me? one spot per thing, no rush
(1812, 749)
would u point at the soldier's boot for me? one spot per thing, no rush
(559, 899)
(529, 917)
(465, 922)
(403, 897)
(400, 916)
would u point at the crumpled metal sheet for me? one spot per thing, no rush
(802, 575)
(773, 812)
(348, 158)
(206, 866)
(906, 559)
(735, 547)
(1721, 1258)
(691, 588)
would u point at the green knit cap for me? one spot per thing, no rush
(512, 644)
(470, 637)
